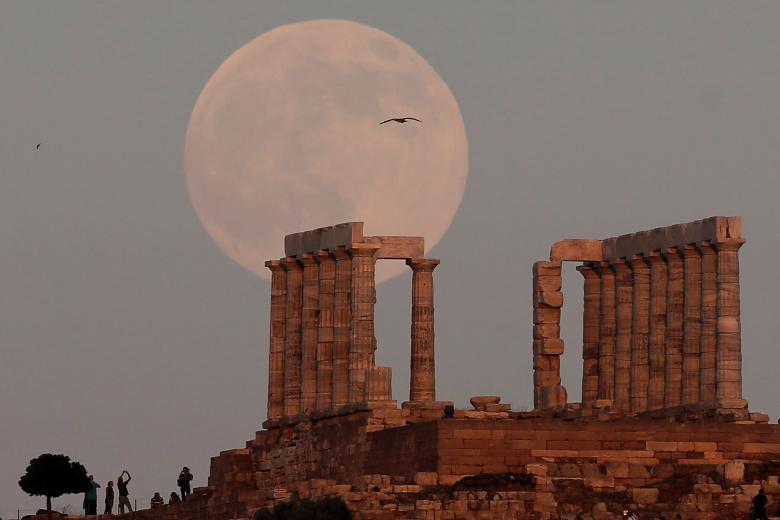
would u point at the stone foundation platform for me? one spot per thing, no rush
(394, 463)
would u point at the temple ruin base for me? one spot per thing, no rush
(388, 462)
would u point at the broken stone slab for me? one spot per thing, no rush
(480, 402)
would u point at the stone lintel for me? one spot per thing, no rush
(576, 249)
(398, 247)
(349, 235)
(714, 229)
(329, 237)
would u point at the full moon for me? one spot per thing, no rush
(285, 137)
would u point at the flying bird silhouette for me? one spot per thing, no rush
(400, 120)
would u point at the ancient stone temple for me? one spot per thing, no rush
(322, 344)
(661, 323)
(662, 428)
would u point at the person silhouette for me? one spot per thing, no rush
(124, 495)
(185, 477)
(109, 510)
(759, 505)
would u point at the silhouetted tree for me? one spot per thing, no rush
(52, 476)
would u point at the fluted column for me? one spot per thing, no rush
(363, 340)
(342, 325)
(640, 367)
(590, 333)
(729, 356)
(276, 340)
(422, 381)
(709, 321)
(310, 325)
(674, 327)
(292, 339)
(657, 333)
(692, 324)
(623, 313)
(607, 333)
(327, 292)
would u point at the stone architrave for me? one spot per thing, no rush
(675, 285)
(590, 333)
(607, 324)
(276, 340)
(310, 326)
(624, 316)
(640, 365)
(325, 336)
(709, 321)
(657, 332)
(292, 339)
(548, 346)
(342, 325)
(363, 340)
(422, 381)
(692, 324)
(729, 354)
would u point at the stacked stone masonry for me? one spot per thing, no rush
(661, 326)
(322, 341)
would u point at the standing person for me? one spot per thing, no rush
(90, 498)
(759, 505)
(109, 498)
(185, 477)
(124, 496)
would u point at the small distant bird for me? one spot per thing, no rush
(400, 120)
(39, 146)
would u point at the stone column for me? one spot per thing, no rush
(548, 346)
(729, 356)
(325, 337)
(590, 333)
(624, 315)
(292, 339)
(379, 384)
(607, 320)
(310, 326)
(640, 365)
(422, 381)
(674, 327)
(342, 326)
(363, 341)
(692, 324)
(657, 333)
(276, 343)
(709, 321)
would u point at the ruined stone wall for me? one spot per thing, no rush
(513, 467)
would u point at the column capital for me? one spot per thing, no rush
(688, 251)
(323, 255)
(588, 270)
(638, 262)
(655, 258)
(340, 253)
(732, 244)
(422, 264)
(621, 265)
(672, 254)
(363, 249)
(307, 260)
(706, 248)
(290, 263)
(274, 265)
